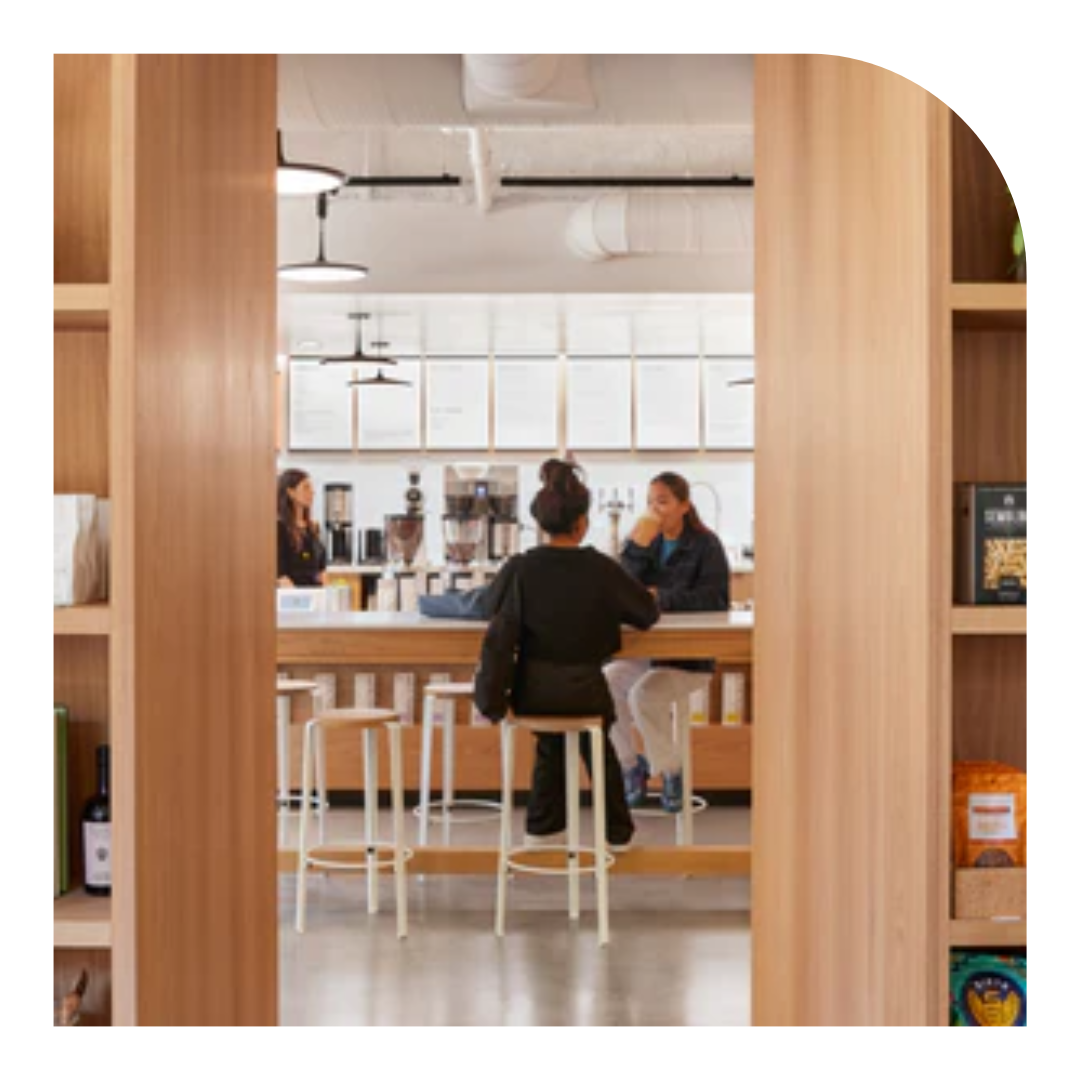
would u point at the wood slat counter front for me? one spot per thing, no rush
(350, 643)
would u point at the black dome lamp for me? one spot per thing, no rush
(321, 271)
(380, 379)
(358, 356)
(300, 178)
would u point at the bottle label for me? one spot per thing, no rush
(97, 846)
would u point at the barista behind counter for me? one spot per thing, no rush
(301, 556)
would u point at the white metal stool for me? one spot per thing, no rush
(367, 721)
(571, 728)
(445, 807)
(287, 691)
(692, 804)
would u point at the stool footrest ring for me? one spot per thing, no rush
(698, 803)
(361, 852)
(588, 866)
(440, 810)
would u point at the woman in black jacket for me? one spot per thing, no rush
(565, 605)
(683, 565)
(301, 557)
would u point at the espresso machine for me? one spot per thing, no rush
(338, 511)
(480, 523)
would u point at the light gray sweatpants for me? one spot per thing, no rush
(643, 697)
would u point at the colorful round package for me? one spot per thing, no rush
(987, 990)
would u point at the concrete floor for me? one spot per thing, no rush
(679, 951)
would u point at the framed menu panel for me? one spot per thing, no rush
(457, 405)
(667, 407)
(320, 406)
(389, 416)
(729, 410)
(527, 404)
(598, 413)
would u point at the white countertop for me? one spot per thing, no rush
(733, 621)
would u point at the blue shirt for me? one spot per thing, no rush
(666, 548)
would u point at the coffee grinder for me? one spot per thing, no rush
(338, 510)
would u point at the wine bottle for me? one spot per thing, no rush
(97, 832)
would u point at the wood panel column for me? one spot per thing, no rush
(195, 925)
(851, 636)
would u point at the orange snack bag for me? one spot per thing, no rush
(989, 810)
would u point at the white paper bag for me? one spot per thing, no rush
(78, 562)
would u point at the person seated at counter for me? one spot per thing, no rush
(301, 556)
(561, 607)
(683, 564)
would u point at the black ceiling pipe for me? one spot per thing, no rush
(627, 181)
(442, 180)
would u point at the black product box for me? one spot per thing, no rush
(991, 543)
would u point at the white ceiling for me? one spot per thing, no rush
(506, 276)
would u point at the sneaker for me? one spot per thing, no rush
(535, 840)
(671, 795)
(626, 845)
(634, 780)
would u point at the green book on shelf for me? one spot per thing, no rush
(61, 855)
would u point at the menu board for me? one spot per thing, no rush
(527, 404)
(729, 410)
(598, 413)
(457, 405)
(389, 416)
(320, 406)
(667, 407)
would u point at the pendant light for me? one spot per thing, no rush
(381, 379)
(320, 271)
(358, 356)
(298, 178)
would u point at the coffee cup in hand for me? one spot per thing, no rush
(645, 529)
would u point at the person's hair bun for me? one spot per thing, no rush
(562, 499)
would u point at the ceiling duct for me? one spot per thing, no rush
(661, 223)
(508, 76)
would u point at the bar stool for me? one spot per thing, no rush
(287, 691)
(691, 804)
(434, 693)
(368, 722)
(571, 728)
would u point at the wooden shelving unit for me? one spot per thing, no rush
(989, 620)
(82, 922)
(135, 418)
(985, 351)
(987, 933)
(93, 620)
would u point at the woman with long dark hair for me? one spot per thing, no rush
(301, 556)
(682, 563)
(569, 603)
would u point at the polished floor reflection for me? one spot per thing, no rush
(679, 954)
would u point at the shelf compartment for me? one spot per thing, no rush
(81, 307)
(989, 620)
(987, 933)
(81, 921)
(83, 619)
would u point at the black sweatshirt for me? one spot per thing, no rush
(301, 567)
(574, 602)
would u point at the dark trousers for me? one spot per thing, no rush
(546, 812)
